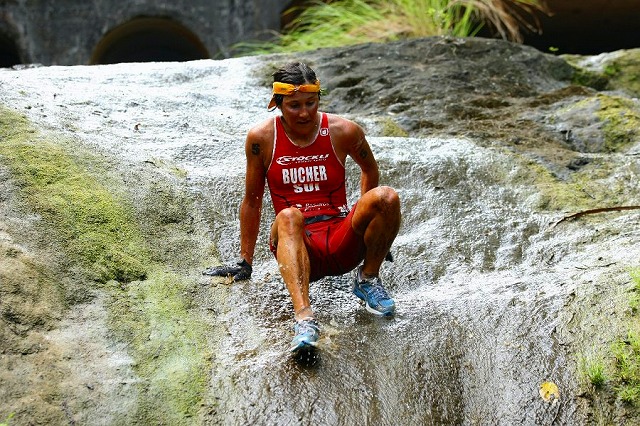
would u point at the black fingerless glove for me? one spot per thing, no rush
(389, 257)
(240, 272)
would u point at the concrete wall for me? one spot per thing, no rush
(70, 32)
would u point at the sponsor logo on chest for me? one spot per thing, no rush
(286, 160)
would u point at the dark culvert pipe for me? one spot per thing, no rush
(148, 39)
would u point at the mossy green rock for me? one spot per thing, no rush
(86, 214)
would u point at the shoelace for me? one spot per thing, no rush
(373, 288)
(307, 327)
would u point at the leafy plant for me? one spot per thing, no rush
(6, 421)
(626, 353)
(629, 394)
(333, 23)
(593, 370)
(508, 17)
(634, 301)
(617, 369)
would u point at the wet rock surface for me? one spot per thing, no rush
(490, 146)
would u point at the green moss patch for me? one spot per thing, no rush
(588, 78)
(590, 187)
(149, 307)
(624, 71)
(168, 344)
(29, 304)
(619, 70)
(90, 222)
(621, 121)
(391, 129)
(614, 368)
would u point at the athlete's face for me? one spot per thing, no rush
(300, 110)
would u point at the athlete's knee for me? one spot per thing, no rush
(290, 216)
(388, 197)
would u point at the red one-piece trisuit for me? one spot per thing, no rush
(311, 178)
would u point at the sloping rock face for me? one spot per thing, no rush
(121, 183)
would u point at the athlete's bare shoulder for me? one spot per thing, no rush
(261, 131)
(341, 125)
(346, 135)
(259, 142)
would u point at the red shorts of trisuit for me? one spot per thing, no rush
(333, 246)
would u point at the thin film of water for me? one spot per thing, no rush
(477, 298)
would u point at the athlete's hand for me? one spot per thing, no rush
(241, 271)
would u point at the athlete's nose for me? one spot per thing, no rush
(304, 112)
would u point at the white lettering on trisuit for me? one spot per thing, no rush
(296, 175)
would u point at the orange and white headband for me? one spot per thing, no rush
(289, 89)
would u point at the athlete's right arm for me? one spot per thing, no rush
(251, 206)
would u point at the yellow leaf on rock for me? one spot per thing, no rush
(549, 391)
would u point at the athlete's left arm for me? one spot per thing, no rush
(361, 153)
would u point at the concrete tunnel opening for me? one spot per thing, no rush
(9, 54)
(148, 39)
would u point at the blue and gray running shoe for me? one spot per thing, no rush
(375, 296)
(307, 334)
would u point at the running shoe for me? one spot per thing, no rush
(307, 334)
(373, 293)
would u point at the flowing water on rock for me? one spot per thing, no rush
(480, 279)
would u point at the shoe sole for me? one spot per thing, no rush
(303, 345)
(369, 308)
(377, 313)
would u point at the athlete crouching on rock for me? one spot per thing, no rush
(301, 155)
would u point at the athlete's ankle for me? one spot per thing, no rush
(364, 276)
(304, 313)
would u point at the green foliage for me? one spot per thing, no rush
(592, 369)
(629, 394)
(348, 22)
(617, 368)
(627, 368)
(596, 374)
(6, 421)
(625, 352)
